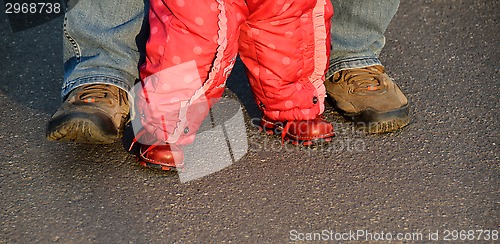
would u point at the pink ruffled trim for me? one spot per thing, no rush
(320, 58)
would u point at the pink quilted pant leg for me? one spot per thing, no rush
(285, 46)
(190, 52)
(192, 48)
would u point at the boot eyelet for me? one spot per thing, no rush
(315, 100)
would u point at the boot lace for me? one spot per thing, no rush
(365, 80)
(100, 93)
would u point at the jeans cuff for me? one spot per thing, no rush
(68, 86)
(350, 63)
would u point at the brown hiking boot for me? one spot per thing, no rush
(369, 98)
(94, 113)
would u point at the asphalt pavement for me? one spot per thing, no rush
(437, 175)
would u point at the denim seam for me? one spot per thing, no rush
(76, 47)
(351, 60)
(349, 63)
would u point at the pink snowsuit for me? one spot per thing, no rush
(193, 44)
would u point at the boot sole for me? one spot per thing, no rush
(159, 166)
(375, 122)
(82, 128)
(151, 164)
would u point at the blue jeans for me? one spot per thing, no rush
(358, 28)
(104, 40)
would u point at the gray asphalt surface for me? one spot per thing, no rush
(440, 173)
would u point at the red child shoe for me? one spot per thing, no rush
(300, 132)
(157, 154)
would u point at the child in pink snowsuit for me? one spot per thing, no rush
(192, 48)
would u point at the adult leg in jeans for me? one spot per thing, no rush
(357, 81)
(103, 42)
